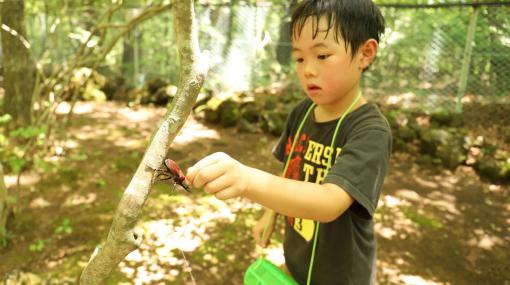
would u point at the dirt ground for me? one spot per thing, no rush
(433, 226)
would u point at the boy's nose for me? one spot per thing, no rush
(309, 71)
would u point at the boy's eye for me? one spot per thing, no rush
(323, 56)
(299, 59)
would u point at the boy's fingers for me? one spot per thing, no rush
(206, 175)
(220, 183)
(208, 160)
(226, 194)
(204, 162)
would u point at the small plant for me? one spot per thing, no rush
(102, 183)
(38, 245)
(65, 227)
(5, 237)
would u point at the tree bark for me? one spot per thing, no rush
(284, 48)
(231, 29)
(4, 209)
(123, 237)
(128, 51)
(19, 68)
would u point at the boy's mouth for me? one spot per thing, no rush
(313, 87)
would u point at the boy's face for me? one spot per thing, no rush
(326, 70)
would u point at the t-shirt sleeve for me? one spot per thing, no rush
(361, 166)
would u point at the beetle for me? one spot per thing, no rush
(172, 171)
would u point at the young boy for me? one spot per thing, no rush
(334, 189)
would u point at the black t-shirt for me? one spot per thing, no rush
(346, 247)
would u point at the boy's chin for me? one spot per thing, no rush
(319, 99)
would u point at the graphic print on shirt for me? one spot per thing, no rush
(311, 161)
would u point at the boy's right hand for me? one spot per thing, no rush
(268, 220)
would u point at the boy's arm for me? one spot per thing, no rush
(319, 202)
(226, 178)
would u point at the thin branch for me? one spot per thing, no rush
(123, 236)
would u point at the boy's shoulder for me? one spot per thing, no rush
(367, 116)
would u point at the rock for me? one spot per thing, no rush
(202, 100)
(406, 133)
(273, 122)
(494, 170)
(399, 144)
(159, 92)
(424, 159)
(247, 127)
(445, 144)
(137, 95)
(210, 110)
(114, 88)
(155, 84)
(229, 113)
(250, 112)
(446, 118)
(431, 138)
(23, 278)
(270, 102)
(211, 116)
(451, 156)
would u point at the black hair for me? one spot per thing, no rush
(355, 20)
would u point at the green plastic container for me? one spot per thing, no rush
(264, 272)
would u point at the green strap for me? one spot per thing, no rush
(312, 258)
(296, 137)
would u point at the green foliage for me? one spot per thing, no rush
(5, 237)
(78, 157)
(29, 132)
(64, 228)
(102, 183)
(38, 245)
(422, 220)
(5, 119)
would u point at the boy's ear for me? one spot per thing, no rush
(367, 53)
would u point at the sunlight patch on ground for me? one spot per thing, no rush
(162, 255)
(27, 179)
(76, 199)
(425, 183)
(192, 131)
(416, 280)
(275, 255)
(39, 202)
(393, 275)
(80, 108)
(137, 115)
(485, 241)
(392, 222)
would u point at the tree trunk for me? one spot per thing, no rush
(128, 52)
(231, 29)
(19, 68)
(123, 238)
(284, 48)
(4, 209)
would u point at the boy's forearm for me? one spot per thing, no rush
(299, 199)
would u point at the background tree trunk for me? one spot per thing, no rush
(123, 237)
(231, 29)
(128, 52)
(19, 68)
(284, 48)
(4, 209)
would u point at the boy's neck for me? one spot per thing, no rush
(329, 112)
